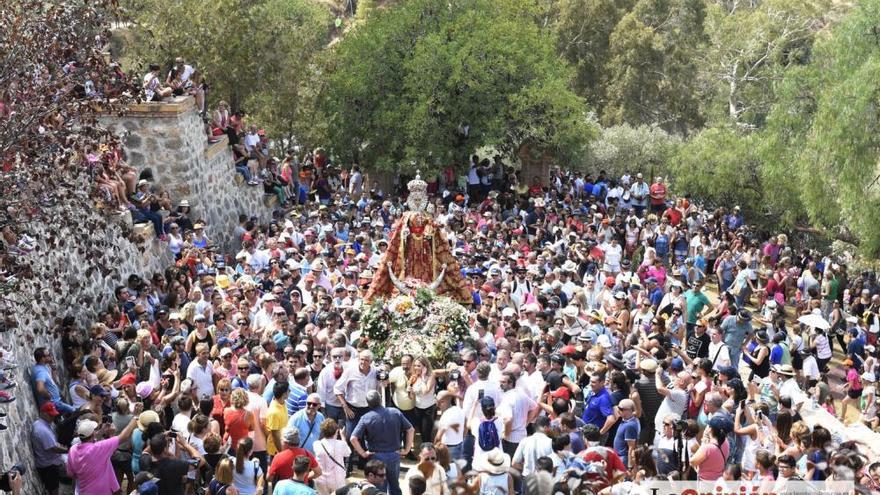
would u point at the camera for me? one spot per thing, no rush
(106, 418)
(382, 375)
(6, 478)
(679, 425)
(172, 434)
(454, 375)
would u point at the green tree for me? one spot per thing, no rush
(751, 44)
(430, 81)
(259, 56)
(823, 132)
(584, 30)
(652, 69)
(623, 149)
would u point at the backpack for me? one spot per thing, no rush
(487, 435)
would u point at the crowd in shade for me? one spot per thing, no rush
(619, 334)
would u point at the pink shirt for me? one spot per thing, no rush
(712, 466)
(89, 464)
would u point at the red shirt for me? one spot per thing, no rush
(674, 216)
(613, 465)
(657, 189)
(282, 464)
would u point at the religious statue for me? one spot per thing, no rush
(418, 255)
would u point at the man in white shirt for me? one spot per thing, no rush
(675, 399)
(790, 387)
(533, 447)
(352, 387)
(258, 407)
(517, 410)
(719, 352)
(534, 371)
(264, 316)
(450, 428)
(639, 194)
(201, 372)
(471, 405)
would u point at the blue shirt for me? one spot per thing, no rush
(41, 373)
(735, 332)
(382, 428)
(291, 487)
(309, 432)
(776, 354)
(43, 440)
(296, 400)
(628, 430)
(598, 408)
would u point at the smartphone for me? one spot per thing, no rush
(130, 362)
(481, 394)
(172, 434)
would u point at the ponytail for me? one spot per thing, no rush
(241, 453)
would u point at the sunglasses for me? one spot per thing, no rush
(243, 368)
(313, 404)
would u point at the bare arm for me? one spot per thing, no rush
(661, 389)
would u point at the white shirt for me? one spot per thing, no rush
(450, 417)
(354, 385)
(326, 382)
(535, 383)
(530, 450)
(515, 404)
(723, 355)
(811, 367)
(202, 377)
(471, 404)
(791, 389)
(180, 424)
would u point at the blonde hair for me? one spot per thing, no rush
(143, 333)
(223, 472)
(239, 398)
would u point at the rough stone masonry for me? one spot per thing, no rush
(78, 263)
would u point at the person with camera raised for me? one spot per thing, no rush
(88, 462)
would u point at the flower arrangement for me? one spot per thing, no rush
(421, 325)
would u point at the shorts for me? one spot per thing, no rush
(50, 476)
(854, 394)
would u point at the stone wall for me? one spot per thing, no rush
(82, 255)
(169, 139)
(75, 269)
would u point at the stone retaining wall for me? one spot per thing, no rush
(83, 255)
(169, 139)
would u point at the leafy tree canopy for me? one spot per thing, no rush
(430, 81)
(260, 56)
(822, 134)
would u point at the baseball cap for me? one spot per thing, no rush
(86, 427)
(487, 402)
(50, 409)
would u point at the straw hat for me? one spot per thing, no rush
(496, 462)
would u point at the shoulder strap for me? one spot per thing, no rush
(717, 353)
(330, 456)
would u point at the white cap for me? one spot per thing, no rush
(508, 311)
(86, 428)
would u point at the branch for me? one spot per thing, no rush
(843, 235)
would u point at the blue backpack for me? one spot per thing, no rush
(487, 435)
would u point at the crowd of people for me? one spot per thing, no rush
(619, 334)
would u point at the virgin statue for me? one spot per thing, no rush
(418, 255)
